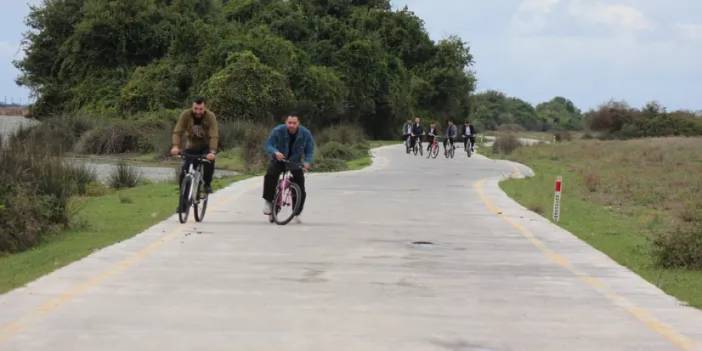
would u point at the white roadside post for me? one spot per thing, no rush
(557, 200)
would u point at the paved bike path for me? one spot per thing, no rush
(496, 277)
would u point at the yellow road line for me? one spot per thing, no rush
(681, 341)
(15, 327)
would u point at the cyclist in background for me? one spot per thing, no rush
(287, 142)
(469, 135)
(417, 132)
(451, 134)
(406, 130)
(431, 135)
(199, 125)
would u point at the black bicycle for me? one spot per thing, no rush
(288, 194)
(192, 189)
(418, 146)
(449, 149)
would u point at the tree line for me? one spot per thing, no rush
(356, 61)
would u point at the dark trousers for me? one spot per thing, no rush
(430, 141)
(468, 138)
(270, 181)
(207, 168)
(415, 139)
(447, 141)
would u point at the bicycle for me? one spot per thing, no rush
(287, 195)
(468, 145)
(408, 142)
(189, 196)
(449, 152)
(433, 151)
(418, 146)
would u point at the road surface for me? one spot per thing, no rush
(495, 276)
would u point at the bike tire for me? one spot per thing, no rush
(435, 151)
(414, 149)
(185, 201)
(295, 194)
(200, 206)
(452, 151)
(421, 150)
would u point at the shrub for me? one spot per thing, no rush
(592, 182)
(253, 150)
(680, 249)
(511, 127)
(330, 165)
(344, 133)
(233, 133)
(335, 150)
(83, 176)
(124, 176)
(114, 139)
(563, 135)
(505, 144)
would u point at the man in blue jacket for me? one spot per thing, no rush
(287, 142)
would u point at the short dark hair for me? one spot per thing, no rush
(199, 100)
(292, 114)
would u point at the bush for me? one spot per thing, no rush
(505, 144)
(330, 165)
(511, 127)
(344, 133)
(124, 176)
(114, 139)
(83, 176)
(563, 135)
(335, 150)
(680, 249)
(253, 150)
(35, 200)
(233, 133)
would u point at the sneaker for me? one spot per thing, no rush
(297, 220)
(208, 189)
(267, 208)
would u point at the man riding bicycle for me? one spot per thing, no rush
(417, 132)
(406, 130)
(199, 125)
(431, 135)
(451, 134)
(468, 135)
(287, 142)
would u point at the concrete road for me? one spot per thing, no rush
(495, 277)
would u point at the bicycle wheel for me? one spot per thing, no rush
(286, 204)
(185, 201)
(201, 205)
(421, 149)
(452, 151)
(414, 149)
(469, 150)
(435, 151)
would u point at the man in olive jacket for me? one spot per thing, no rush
(199, 125)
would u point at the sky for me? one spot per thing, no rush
(590, 51)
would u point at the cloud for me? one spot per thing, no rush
(566, 17)
(689, 32)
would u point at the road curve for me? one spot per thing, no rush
(495, 276)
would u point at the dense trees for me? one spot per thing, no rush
(351, 60)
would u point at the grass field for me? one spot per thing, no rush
(100, 221)
(619, 196)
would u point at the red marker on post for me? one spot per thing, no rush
(557, 199)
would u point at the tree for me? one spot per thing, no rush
(560, 113)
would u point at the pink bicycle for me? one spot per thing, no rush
(287, 195)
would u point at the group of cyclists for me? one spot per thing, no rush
(413, 132)
(288, 144)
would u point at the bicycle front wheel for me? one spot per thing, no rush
(200, 206)
(286, 203)
(185, 200)
(435, 151)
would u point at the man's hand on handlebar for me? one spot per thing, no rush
(307, 166)
(211, 156)
(175, 151)
(279, 156)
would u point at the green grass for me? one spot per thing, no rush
(378, 143)
(101, 221)
(614, 199)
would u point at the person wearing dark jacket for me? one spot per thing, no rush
(469, 135)
(417, 132)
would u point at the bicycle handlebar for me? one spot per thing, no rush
(198, 157)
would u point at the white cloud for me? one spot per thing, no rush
(690, 32)
(619, 16)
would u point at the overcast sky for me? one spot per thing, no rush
(590, 51)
